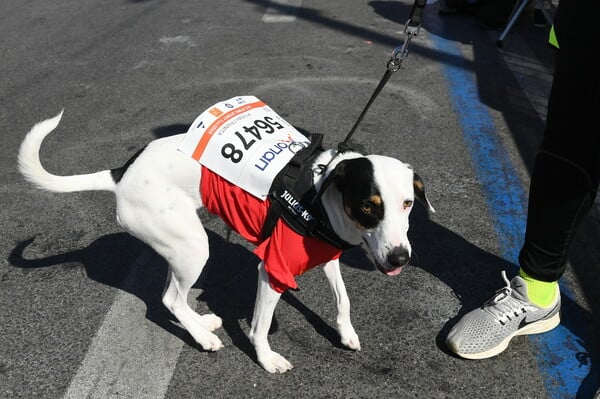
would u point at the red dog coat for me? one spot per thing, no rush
(286, 254)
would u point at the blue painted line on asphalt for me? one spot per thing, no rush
(557, 351)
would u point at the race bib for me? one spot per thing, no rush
(244, 141)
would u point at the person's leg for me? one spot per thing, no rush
(564, 184)
(566, 173)
(561, 193)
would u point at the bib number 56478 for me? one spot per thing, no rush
(266, 125)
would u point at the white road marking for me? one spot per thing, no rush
(130, 356)
(282, 11)
(173, 40)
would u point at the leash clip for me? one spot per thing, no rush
(401, 52)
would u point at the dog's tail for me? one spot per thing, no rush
(33, 171)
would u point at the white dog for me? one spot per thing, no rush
(364, 198)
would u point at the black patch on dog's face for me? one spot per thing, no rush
(354, 178)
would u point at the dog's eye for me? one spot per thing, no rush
(407, 204)
(366, 208)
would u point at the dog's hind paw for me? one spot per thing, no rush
(350, 340)
(273, 362)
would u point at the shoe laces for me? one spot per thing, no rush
(503, 306)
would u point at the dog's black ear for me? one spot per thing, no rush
(420, 191)
(350, 172)
(338, 176)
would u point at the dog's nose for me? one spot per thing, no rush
(398, 257)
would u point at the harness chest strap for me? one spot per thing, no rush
(293, 199)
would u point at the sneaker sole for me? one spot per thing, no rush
(534, 328)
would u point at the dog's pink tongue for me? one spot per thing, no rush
(394, 272)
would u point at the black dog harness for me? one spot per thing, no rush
(294, 198)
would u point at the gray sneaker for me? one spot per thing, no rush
(487, 331)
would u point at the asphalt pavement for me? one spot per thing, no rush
(80, 308)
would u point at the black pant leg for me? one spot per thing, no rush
(566, 173)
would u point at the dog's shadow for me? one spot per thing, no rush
(228, 282)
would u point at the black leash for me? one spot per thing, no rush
(297, 175)
(411, 28)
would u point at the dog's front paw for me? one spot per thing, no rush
(211, 321)
(273, 362)
(209, 341)
(350, 338)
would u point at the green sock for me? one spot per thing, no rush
(541, 293)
